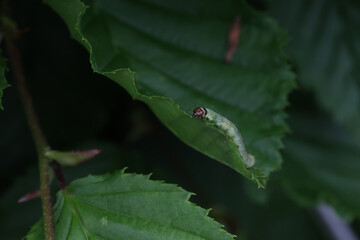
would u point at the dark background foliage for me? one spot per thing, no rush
(79, 109)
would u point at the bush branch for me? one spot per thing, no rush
(40, 141)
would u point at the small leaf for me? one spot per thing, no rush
(3, 82)
(177, 51)
(128, 206)
(72, 158)
(29, 196)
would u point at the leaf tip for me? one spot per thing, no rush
(29, 196)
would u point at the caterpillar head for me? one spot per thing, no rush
(199, 112)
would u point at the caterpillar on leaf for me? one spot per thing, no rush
(229, 129)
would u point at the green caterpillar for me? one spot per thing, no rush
(229, 129)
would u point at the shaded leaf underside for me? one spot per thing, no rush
(128, 206)
(177, 51)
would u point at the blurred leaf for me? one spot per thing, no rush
(322, 165)
(177, 50)
(280, 218)
(3, 82)
(136, 208)
(326, 48)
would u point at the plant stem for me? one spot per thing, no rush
(40, 141)
(59, 174)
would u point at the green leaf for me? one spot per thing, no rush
(325, 46)
(71, 158)
(3, 82)
(322, 165)
(177, 51)
(128, 206)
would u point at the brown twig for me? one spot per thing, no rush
(40, 141)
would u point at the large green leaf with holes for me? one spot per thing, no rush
(170, 55)
(128, 206)
(3, 82)
(325, 47)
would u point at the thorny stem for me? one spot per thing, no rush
(40, 141)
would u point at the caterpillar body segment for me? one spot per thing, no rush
(229, 129)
